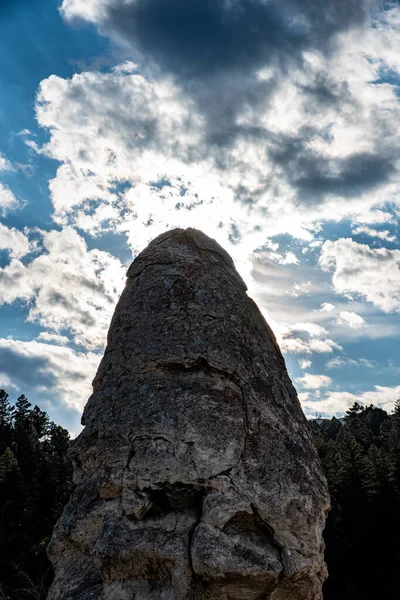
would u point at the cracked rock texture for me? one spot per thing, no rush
(196, 477)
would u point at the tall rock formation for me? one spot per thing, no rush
(196, 477)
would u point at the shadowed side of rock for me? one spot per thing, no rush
(196, 478)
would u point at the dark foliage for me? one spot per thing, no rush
(361, 459)
(35, 482)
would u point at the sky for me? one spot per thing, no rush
(272, 125)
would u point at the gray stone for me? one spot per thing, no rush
(196, 477)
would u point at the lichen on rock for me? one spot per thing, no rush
(196, 477)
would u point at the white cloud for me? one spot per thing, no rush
(90, 10)
(314, 382)
(14, 241)
(313, 329)
(369, 364)
(144, 166)
(327, 307)
(155, 132)
(304, 363)
(142, 138)
(297, 346)
(305, 338)
(25, 132)
(5, 164)
(336, 363)
(338, 402)
(303, 396)
(7, 199)
(300, 288)
(54, 374)
(332, 98)
(359, 270)
(382, 234)
(69, 287)
(53, 338)
(350, 319)
(290, 259)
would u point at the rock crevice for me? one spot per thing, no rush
(196, 477)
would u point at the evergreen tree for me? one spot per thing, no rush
(393, 441)
(22, 409)
(35, 482)
(12, 518)
(6, 417)
(40, 421)
(361, 461)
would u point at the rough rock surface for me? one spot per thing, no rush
(196, 478)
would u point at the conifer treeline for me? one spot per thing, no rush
(361, 460)
(35, 482)
(360, 456)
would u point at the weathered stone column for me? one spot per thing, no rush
(196, 477)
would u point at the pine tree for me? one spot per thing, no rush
(354, 411)
(6, 417)
(40, 421)
(22, 409)
(35, 481)
(12, 535)
(394, 450)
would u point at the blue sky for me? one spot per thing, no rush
(274, 127)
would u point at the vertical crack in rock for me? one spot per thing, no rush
(196, 477)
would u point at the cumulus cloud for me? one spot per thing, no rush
(327, 307)
(314, 382)
(304, 363)
(338, 402)
(232, 58)
(57, 378)
(383, 234)
(53, 338)
(14, 241)
(350, 319)
(239, 135)
(68, 286)
(7, 199)
(289, 259)
(306, 338)
(361, 271)
(134, 160)
(293, 345)
(208, 36)
(5, 164)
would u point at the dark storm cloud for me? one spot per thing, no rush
(26, 371)
(325, 92)
(200, 37)
(314, 177)
(32, 376)
(215, 48)
(349, 177)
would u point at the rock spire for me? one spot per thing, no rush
(196, 477)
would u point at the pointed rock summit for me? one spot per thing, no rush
(196, 477)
